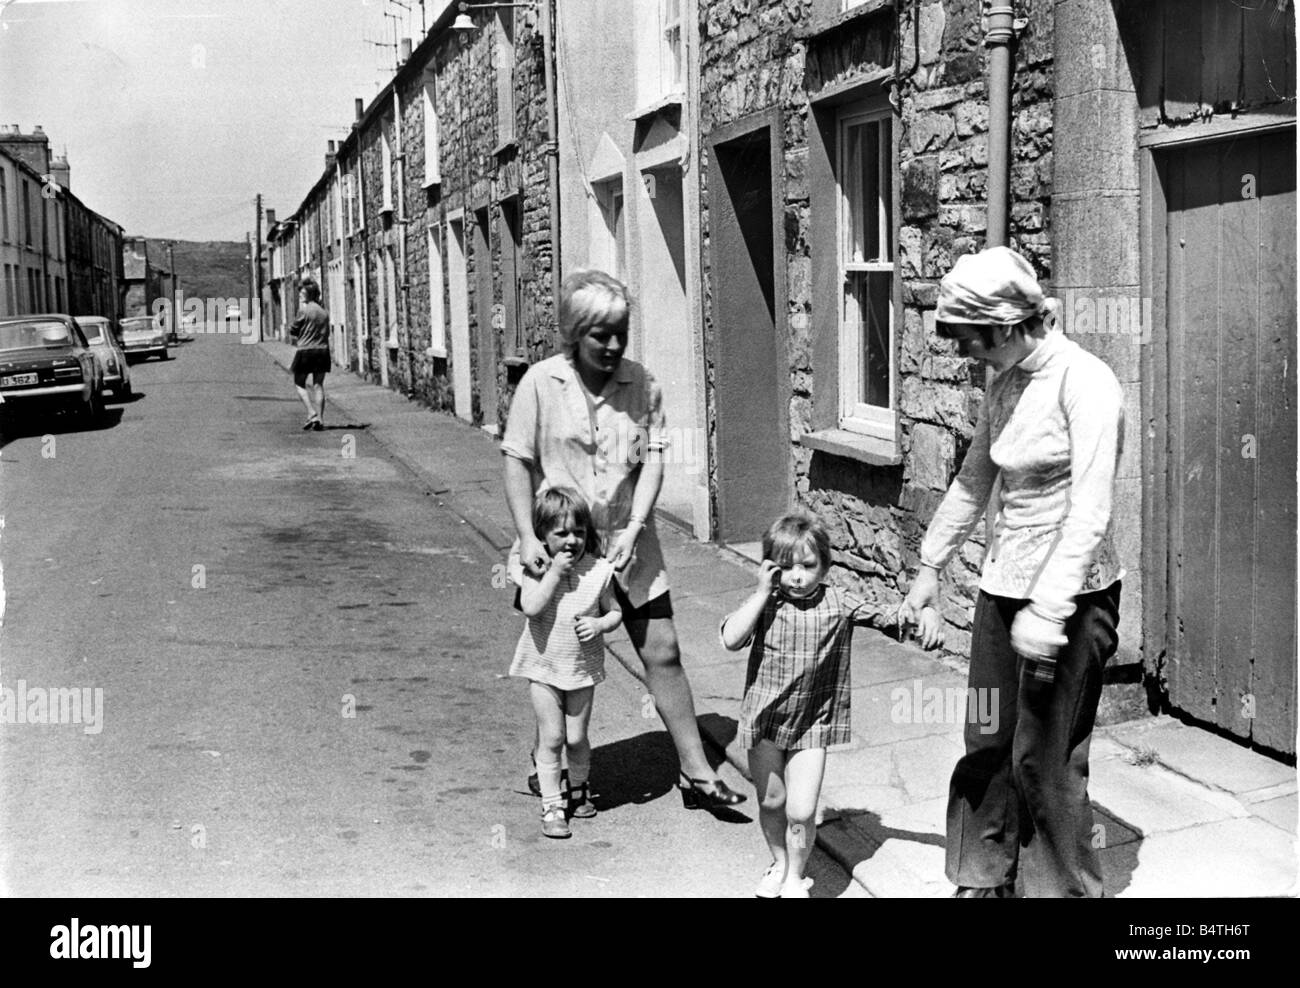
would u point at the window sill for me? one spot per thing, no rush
(505, 146)
(438, 352)
(430, 182)
(854, 446)
(672, 99)
(824, 25)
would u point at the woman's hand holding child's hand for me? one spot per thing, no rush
(533, 554)
(586, 628)
(929, 628)
(623, 548)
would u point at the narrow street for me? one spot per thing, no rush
(301, 656)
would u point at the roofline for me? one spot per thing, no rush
(436, 34)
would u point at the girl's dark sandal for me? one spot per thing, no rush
(707, 794)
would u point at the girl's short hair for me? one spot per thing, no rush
(310, 289)
(591, 298)
(557, 504)
(792, 531)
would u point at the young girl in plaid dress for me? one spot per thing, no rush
(796, 701)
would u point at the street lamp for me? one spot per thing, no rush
(464, 22)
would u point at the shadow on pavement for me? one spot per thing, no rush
(641, 769)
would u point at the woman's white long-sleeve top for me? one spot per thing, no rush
(1053, 426)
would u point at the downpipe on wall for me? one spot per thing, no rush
(1000, 29)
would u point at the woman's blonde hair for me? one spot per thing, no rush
(590, 298)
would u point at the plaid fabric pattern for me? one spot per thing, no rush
(797, 684)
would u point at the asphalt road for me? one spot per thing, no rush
(301, 655)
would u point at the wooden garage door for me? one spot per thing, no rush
(1231, 337)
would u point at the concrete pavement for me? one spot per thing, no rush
(1179, 811)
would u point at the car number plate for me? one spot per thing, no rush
(19, 379)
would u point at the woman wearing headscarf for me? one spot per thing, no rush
(1050, 431)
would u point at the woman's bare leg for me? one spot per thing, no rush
(655, 640)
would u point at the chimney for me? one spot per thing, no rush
(330, 155)
(32, 149)
(404, 51)
(270, 218)
(61, 171)
(361, 107)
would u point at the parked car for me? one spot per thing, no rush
(144, 337)
(102, 337)
(46, 365)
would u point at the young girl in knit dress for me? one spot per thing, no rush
(562, 650)
(796, 701)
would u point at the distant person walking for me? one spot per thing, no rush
(310, 333)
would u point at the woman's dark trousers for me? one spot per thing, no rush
(1025, 784)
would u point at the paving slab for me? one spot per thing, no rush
(1280, 812)
(1204, 756)
(1151, 799)
(1242, 857)
(885, 713)
(877, 658)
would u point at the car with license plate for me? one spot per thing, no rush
(101, 334)
(144, 337)
(47, 365)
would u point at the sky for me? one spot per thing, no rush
(176, 113)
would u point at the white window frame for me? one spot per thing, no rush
(337, 188)
(390, 284)
(505, 76)
(607, 247)
(386, 158)
(437, 307)
(854, 415)
(672, 54)
(432, 166)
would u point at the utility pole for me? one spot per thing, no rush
(176, 295)
(256, 302)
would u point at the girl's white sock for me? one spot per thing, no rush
(548, 779)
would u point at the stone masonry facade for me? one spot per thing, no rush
(481, 175)
(785, 53)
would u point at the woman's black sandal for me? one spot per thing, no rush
(706, 794)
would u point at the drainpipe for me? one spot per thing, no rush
(1000, 29)
(552, 151)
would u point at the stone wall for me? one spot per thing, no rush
(758, 54)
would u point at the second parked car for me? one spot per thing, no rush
(108, 351)
(143, 337)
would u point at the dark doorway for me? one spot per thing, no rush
(751, 373)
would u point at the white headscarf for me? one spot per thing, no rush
(994, 287)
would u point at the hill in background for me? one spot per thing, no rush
(207, 269)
